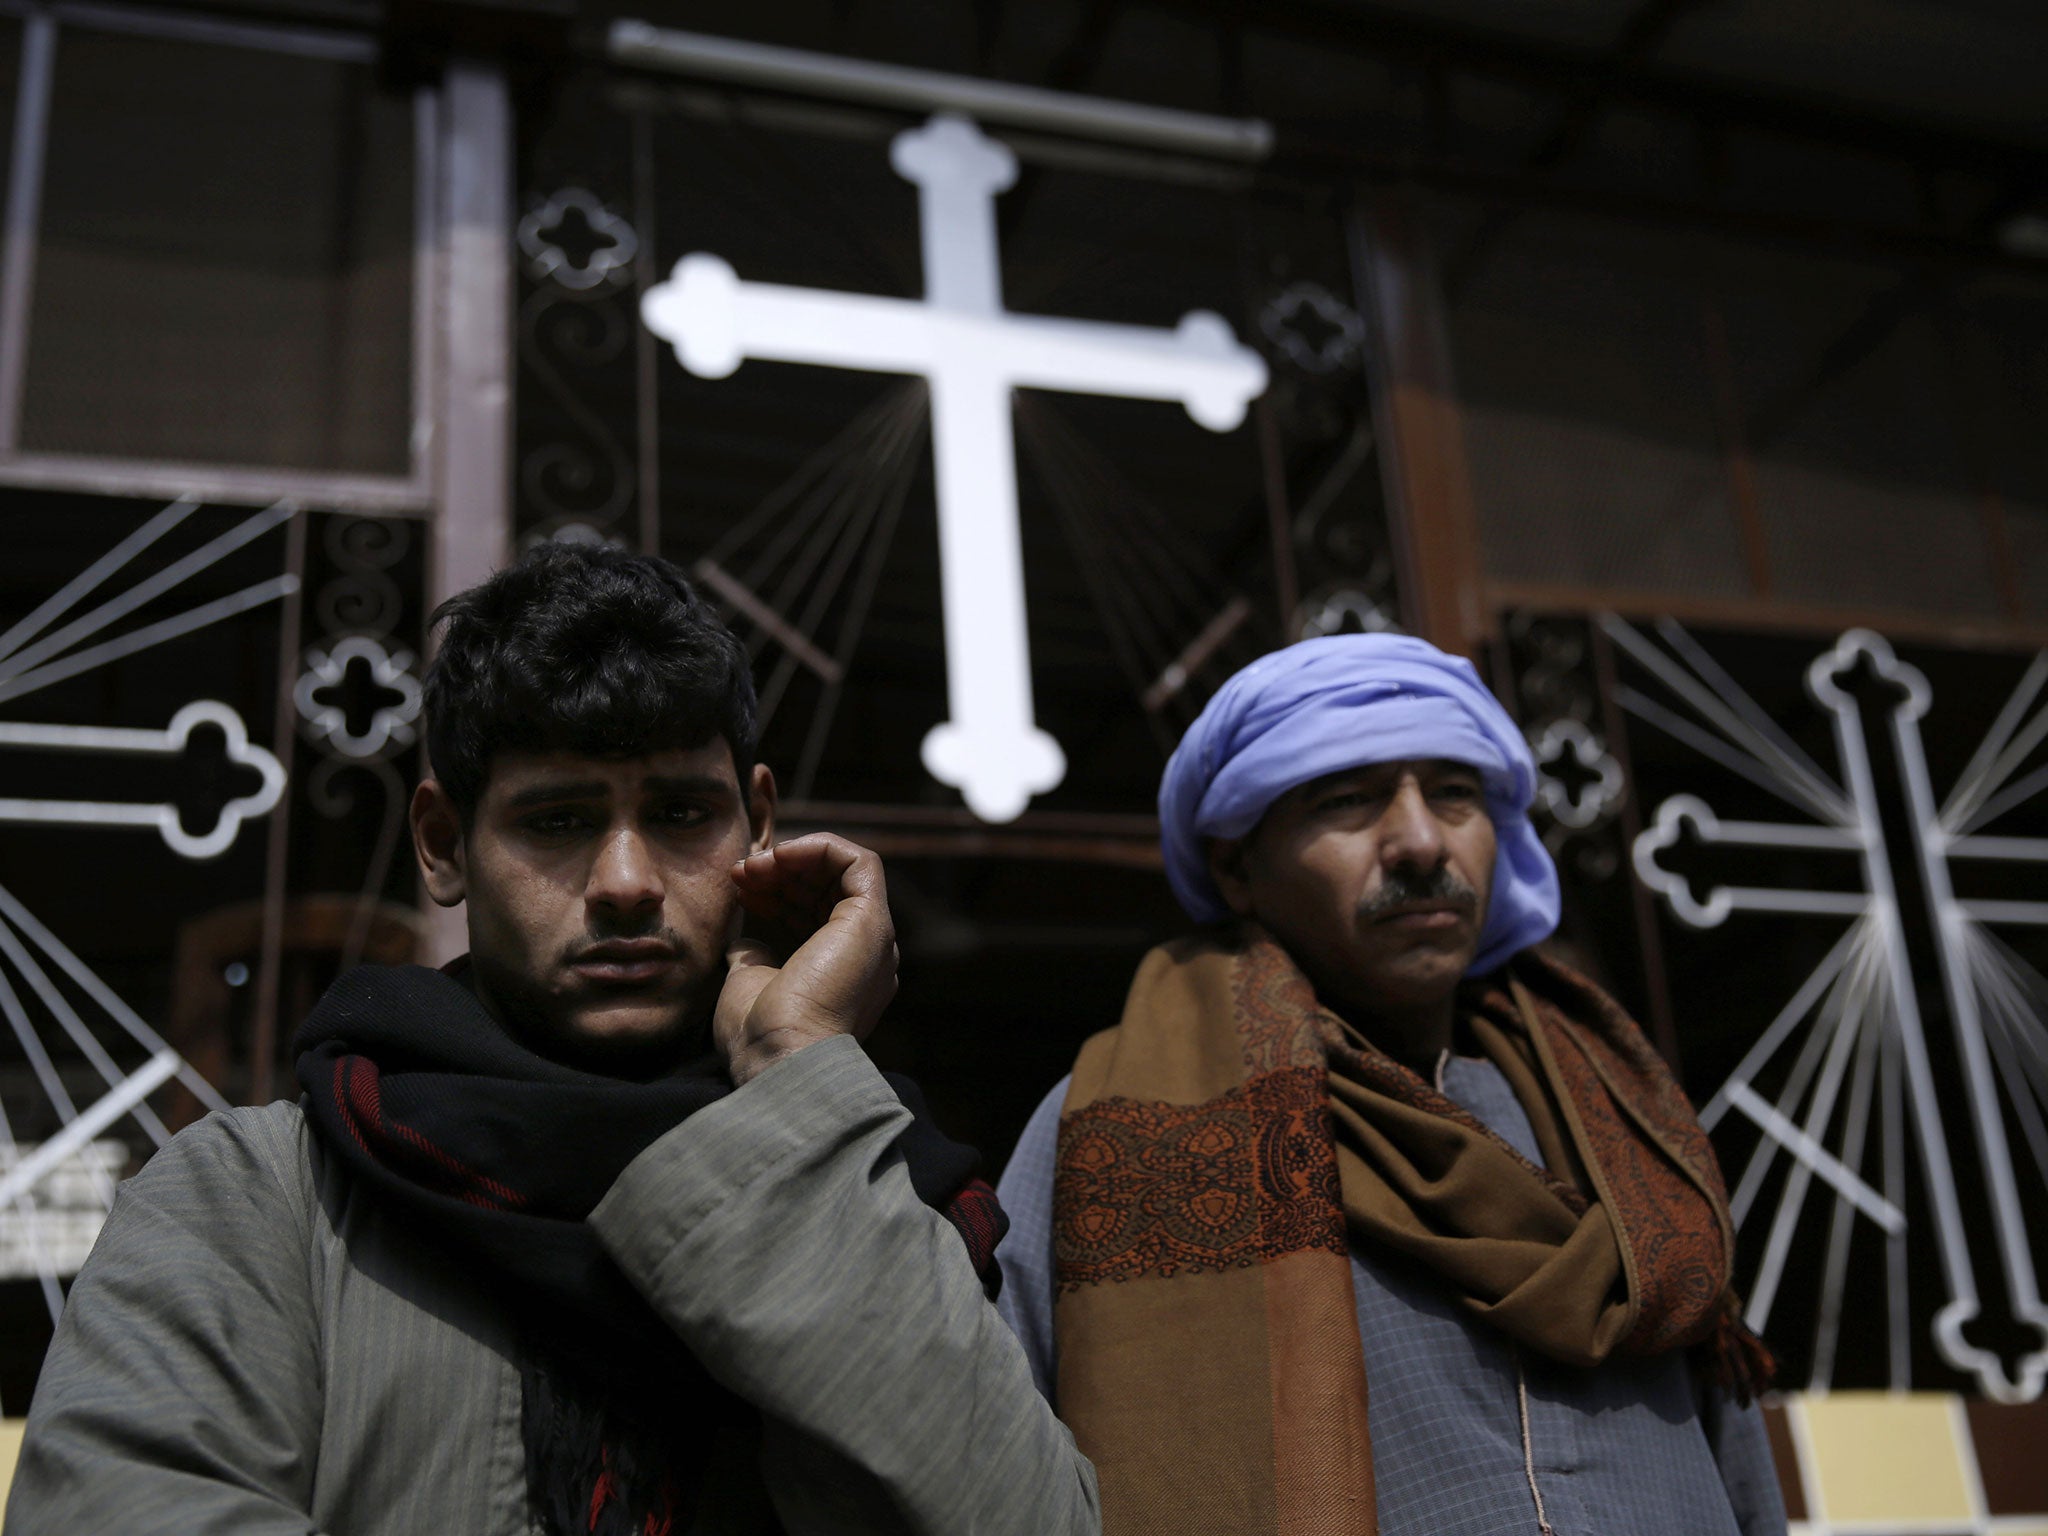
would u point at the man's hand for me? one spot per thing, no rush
(829, 893)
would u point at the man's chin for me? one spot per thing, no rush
(1423, 972)
(624, 1038)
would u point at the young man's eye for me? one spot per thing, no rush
(682, 814)
(555, 823)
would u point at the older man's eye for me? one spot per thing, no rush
(1369, 801)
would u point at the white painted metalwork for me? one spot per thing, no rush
(45, 646)
(1564, 738)
(329, 723)
(31, 659)
(922, 90)
(169, 742)
(547, 259)
(80, 975)
(1868, 1034)
(27, 656)
(105, 1110)
(973, 352)
(1334, 612)
(1682, 812)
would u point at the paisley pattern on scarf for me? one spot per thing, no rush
(1251, 1308)
(1648, 1145)
(1254, 1174)
(1162, 1189)
(1278, 1022)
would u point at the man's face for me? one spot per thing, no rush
(599, 896)
(1375, 879)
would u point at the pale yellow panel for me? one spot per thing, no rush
(10, 1447)
(1880, 1456)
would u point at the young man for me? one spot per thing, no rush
(1358, 1134)
(613, 1228)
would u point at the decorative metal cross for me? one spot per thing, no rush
(52, 643)
(164, 815)
(973, 352)
(1866, 988)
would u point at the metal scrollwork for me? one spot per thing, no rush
(358, 693)
(579, 472)
(1580, 785)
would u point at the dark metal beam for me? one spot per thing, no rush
(1420, 425)
(1364, 28)
(1070, 70)
(1311, 160)
(1921, 287)
(1575, 122)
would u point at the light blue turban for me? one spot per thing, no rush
(1344, 701)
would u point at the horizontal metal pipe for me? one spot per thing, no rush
(380, 495)
(347, 47)
(799, 70)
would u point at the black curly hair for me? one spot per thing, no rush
(584, 648)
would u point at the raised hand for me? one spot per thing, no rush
(829, 893)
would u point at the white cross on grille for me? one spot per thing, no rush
(973, 352)
(39, 976)
(1869, 1015)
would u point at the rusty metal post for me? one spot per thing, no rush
(473, 467)
(1420, 423)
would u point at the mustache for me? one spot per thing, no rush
(1406, 888)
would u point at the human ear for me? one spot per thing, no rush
(437, 842)
(761, 809)
(1227, 868)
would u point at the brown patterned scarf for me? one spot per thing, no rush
(1221, 1149)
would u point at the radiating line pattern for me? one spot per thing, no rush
(1858, 1096)
(809, 558)
(55, 1006)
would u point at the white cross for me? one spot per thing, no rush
(31, 659)
(163, 815)
(973, 352)
(1853, 823)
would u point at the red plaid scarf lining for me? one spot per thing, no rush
(358, 1090)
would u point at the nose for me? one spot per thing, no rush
(1411, 837)
(624, 878)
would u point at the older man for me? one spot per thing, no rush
(1355, 1130)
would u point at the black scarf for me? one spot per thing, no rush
(498, 1154)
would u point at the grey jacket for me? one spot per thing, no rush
(254, 1348)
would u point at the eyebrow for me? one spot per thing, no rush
(547, 793)
(691, 784)
(541, 794)
(1424, 768)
